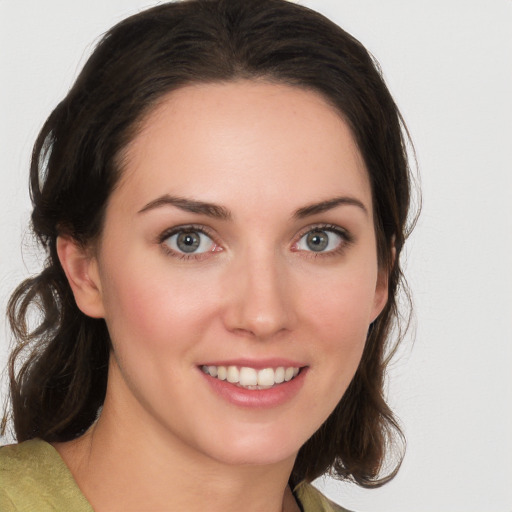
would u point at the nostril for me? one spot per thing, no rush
(257, 302)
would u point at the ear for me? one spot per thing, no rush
(81, 269)
(381, 294)
(381, 288)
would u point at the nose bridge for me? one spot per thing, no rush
(260, 302)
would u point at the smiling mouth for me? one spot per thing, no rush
(250, 378)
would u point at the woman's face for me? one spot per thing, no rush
(239, 245)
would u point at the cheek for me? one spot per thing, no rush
(155, 324)
(344, 305)
(340, 315)
(155, 309)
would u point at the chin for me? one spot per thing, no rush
(256, 457)
(255, 448)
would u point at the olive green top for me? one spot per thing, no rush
(34, 478)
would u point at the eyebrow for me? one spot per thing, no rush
(220, 212)
(329, 204)
(189, 205)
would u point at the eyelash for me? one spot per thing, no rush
(347, 240)
(192, 228)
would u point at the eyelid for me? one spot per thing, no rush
(186, 227)
(183, 228)
(346, 235)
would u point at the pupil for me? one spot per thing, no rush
(188, 242)
(317, 241)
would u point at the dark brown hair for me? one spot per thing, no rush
(57, 388)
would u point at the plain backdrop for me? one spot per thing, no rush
(449, 65)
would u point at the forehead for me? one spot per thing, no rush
(262, 140)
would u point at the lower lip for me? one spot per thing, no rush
(257, 398)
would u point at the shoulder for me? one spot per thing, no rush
(312, 500)
(34, 477)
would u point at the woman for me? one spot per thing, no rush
(223, 197)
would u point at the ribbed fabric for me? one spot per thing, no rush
(34, 478)
(312, 500)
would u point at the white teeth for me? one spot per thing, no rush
(288, 374)
(250, 377)
(233, 374)
(266, 377)
(279, 375)
(222, 373)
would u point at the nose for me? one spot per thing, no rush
(258, 297)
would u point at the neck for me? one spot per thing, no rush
(120, 466)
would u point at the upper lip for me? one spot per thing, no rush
(257, 364)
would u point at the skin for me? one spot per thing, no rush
(263, 153)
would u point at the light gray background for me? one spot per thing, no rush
(449, 65)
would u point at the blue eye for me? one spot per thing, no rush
(320, 240)
(188, 241)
